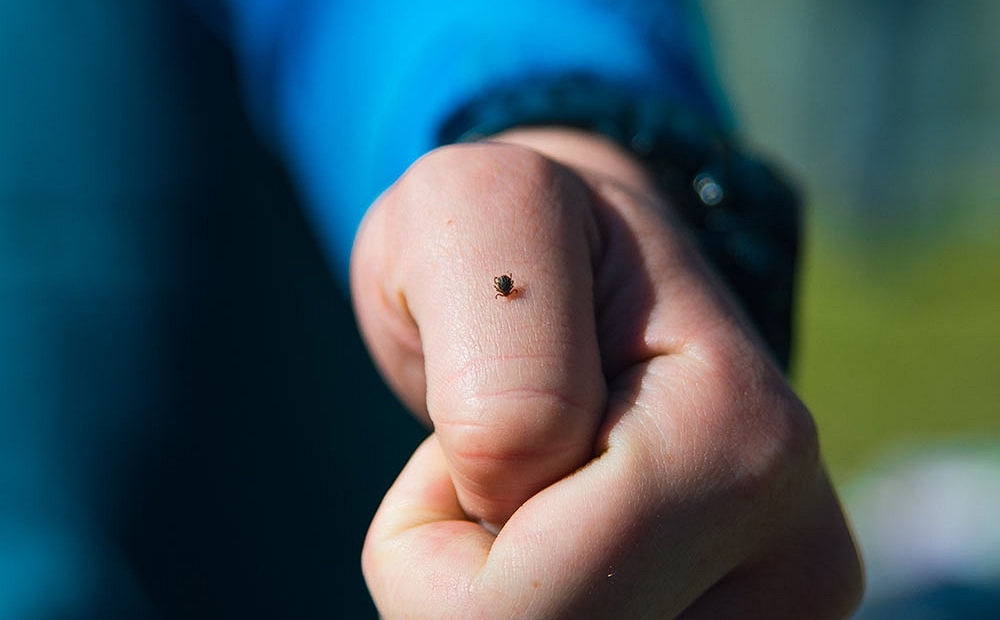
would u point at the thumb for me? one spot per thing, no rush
(473, 287)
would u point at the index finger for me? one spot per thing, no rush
(486, 252)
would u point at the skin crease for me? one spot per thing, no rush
(616, 421)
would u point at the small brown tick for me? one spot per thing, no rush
(504, 285)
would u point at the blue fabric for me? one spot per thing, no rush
(353, 92)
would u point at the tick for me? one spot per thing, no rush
(504, 285)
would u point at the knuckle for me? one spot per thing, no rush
(515, 440)
(494, 167)
(515, 423)
(772, 442)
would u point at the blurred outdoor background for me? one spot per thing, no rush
(887, 113)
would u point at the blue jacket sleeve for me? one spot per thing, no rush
(352, 92)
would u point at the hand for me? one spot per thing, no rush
(615, 421)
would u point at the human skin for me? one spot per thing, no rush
(611, 441)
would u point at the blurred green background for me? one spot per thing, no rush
(887, 112)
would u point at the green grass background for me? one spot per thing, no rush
(898, 343)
